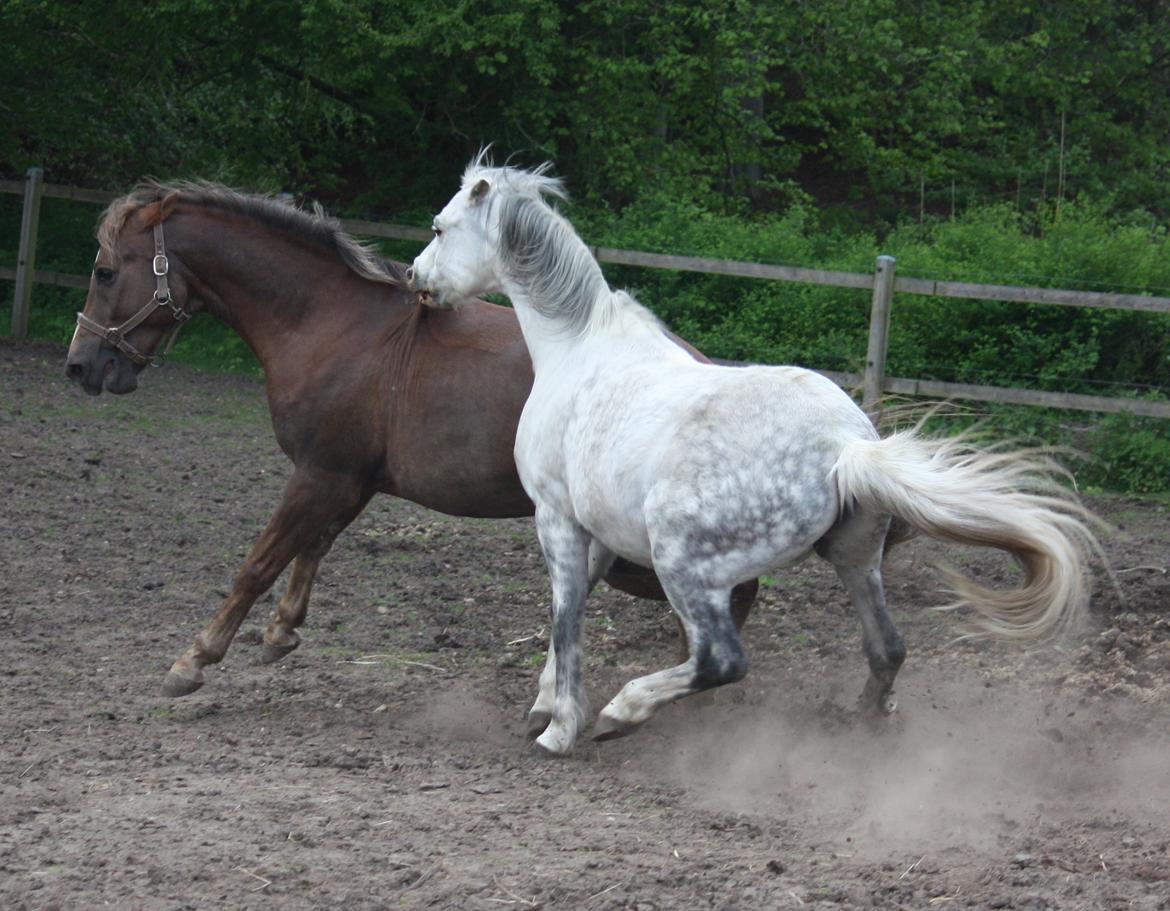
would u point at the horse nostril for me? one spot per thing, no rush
(74, 371)
(410, 277)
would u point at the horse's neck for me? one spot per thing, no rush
(547, 340)
(246, 267)
(553, 343)
(266, 286)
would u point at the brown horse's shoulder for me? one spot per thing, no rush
(478, 325)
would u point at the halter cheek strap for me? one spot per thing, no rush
(116, 335)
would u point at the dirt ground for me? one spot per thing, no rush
(384, 764)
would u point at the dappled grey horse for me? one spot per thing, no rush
(714, 475)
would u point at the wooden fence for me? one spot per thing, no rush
(882, 283)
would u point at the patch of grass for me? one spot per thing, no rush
(605, 622)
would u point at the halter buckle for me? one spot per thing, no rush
(161, 264)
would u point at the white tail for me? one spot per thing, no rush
(1008, 500)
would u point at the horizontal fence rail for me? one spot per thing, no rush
(883, 283)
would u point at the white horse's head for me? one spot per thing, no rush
(463, 260)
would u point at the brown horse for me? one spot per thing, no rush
(369, 391)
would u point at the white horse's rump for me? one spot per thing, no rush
(715, 474)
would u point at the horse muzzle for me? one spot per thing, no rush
(427, 297)
(102, 368)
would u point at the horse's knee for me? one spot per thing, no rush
(896, 649)
(886, 657)
(718, 663)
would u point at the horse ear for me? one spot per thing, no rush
(479, 191)
(164, 207)
(167, 206)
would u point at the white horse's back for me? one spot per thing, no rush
(739, 454)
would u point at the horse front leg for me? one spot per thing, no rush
(311, 499)
(566, 552)
(281, 636)
(600, 561)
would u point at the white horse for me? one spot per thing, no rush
(713, 474)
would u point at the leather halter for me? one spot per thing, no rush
(116, 335)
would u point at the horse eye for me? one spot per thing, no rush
(103, 275)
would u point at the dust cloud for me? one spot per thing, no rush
(960, 762)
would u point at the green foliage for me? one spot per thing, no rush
(740, 318)
(1127, 453)
(1103, 352)
(379, 103)
(813, 134)
(1047, 347)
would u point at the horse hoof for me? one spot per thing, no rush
(538, 720)
(270, 654)
(177, 685)
(542, 752)
(610, 728)
(556, 741)
(876, 714)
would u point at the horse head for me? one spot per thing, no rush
(137, 300)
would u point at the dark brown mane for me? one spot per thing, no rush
(314, 225)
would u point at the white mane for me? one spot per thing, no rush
(540, 250)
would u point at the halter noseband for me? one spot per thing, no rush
(116, 335)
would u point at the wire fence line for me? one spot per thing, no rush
(883, 283)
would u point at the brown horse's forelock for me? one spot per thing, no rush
(318, 227)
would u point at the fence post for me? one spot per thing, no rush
(879, 335)
(26, 256)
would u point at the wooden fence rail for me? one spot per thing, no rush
(883, 283)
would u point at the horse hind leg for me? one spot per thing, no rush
(715, 657)
(854, 546)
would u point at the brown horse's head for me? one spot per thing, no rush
(136, 298)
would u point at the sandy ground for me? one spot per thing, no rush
(384, 764)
